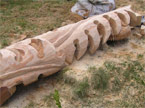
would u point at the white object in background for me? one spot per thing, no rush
(87, 8)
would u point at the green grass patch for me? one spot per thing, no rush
(99, 78)
(32, 17)
(30, 105)
(48, 99)
(57, 99)
(81, 89)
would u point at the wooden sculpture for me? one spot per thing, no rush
(25, 61)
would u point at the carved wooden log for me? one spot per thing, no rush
(25, 61)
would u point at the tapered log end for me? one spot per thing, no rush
(4, 94)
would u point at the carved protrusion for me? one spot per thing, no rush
(37, 44)
(124, 33)
(19, 54)
(93, 38)
(104, 28)
(115, 22)
(134, 17)
(125, 18)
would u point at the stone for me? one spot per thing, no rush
(142, 30)
(137, 34)
(23, 62)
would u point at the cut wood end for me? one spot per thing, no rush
(4, 94)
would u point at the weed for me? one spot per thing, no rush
(57, 98)
(132, 68)
(61, 74)
(48, 99)
(116, 84)
(92, 69)
(100, 79)
(30, 105)
(140, 56)
(81, 90)
(32, 17)
(12, 3)
(69, 80)
(66, 78)
(65, 69)
(110, 65)
(132, 71)
(5, 42)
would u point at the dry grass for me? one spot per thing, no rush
(137, 5)
(31, 17)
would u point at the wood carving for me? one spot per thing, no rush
(25, 61)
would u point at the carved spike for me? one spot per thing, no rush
(94, 39)
(104, 28)
(78, 41)
(37, 44)
(134, 17)
(115, 22)
(125, 18)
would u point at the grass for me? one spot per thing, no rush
(4, 43)
(133, 70)
(116, 84)
(81, 89)
(99, 78)
(110, 78)
(119, 73)
(69, 80)
(121, 77)
(31, 17)
(138, 5)
(140, 56)
(48, 99)
(57, 99)
(64, 70)
(34, 17)
(62, 73)
(30, 105)
(52, 98)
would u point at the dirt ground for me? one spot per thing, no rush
(122, 62)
